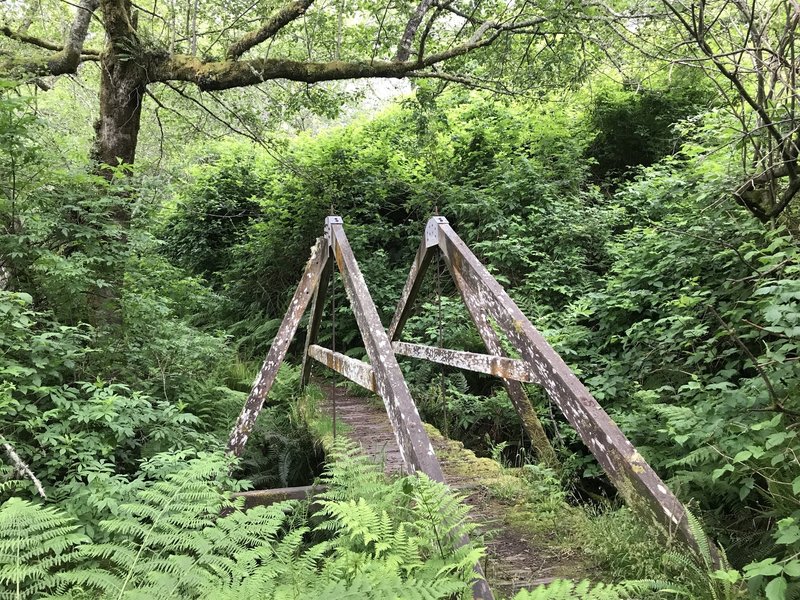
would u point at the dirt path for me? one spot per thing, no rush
(516, 559)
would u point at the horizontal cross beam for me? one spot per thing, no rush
(355, 370)
(499, 366)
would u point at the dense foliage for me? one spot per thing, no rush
(676, 307)
(128, 342)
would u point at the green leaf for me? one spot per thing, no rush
(729, 575)
(773, 313)
(775, 439)
(776, 589)
(792, 568)
(796, 486)
(720, 472)
(742, 456)
(766, 568)
(789, 535)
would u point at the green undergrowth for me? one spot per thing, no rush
(370, 538)
(610, 546)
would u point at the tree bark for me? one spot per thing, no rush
(123, 83)
(122, 87)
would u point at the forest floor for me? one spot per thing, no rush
(524, 549)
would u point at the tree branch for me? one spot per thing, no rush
(40, 43)
(404, 47)
(68, 57)
(223, 75)
(472, 82)
(277, 21)
(23, 469)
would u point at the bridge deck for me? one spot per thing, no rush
(515, 560)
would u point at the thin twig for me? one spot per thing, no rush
(23, 469)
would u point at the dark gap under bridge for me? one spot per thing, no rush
(494, 313)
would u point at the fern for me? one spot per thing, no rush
(351, 474)
(561, 589)
(378, 539)
(170, 542)
(8, 480)
(699, 568)
(35, 542)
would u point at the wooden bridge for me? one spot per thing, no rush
(494, 314)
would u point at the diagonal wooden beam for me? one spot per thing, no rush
(356, 371)
(317, 309)
(499, 366)
(636, 481)
(277, 351)
(412, 439)
(410, 290)
(516, 393)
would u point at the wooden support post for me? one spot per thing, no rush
(317, 309)
(411, 289)
(277, 351)
(626, 468)
(412, 439)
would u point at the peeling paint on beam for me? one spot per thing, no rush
(633, 477)
(499, 366)
(412, 439)
(277, 351)
(355, 370)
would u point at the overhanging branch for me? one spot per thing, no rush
(277, 21)
(227, 74)
(67, 57)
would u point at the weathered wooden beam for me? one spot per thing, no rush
(273, 496)
(499, 366)
(277, 351)
(410, 290)
(317, 309)
(516, 393)
(626, 468)
(355, 370)
(412, 439)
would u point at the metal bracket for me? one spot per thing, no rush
(432, 231)
(331, 220)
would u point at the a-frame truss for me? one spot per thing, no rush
(491, 309)
(488, 303)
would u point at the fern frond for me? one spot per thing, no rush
(35, 541)
(562, 589)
